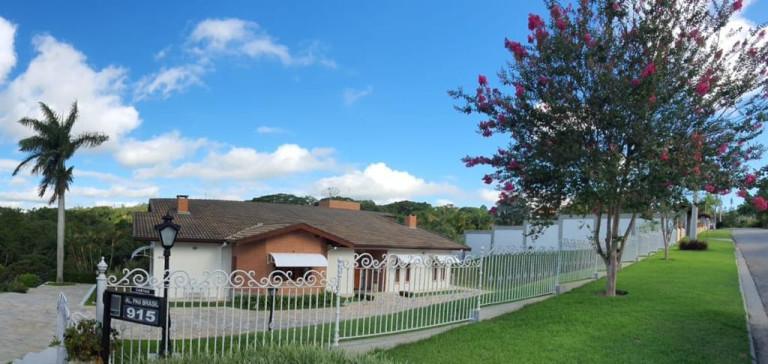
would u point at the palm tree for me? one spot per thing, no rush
(50, 148)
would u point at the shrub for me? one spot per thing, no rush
(39, 265)
(83, 341)
(693, 245)
(80, 277)
(28, 279)
(18, 287)
(285, 354)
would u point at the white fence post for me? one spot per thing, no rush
(475, 314)
(101, 286)
(337, 319)
(63, 319)
(559, 255)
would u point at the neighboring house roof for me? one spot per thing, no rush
(242, 221)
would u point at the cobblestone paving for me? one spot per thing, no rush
(28, 320)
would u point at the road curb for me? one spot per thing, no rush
(757, 319)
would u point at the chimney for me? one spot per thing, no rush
(182, 204)
(410, 221)
(342, 205)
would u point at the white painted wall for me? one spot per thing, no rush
(477, 240)
(506, 237)
(347, 284)
(421, 277)
(193, 258)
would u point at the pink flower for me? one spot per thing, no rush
(649, 70)
(516, 48)
(560, 24)
(664, 156)
(737, 5)
(519, 90)
(487, 179)
(760, 203)
(492, 211)
(709, 188)
(702, 88)
(556, 12)
(652, 99)
(534, 21)
(723, 148)
(724, 192)
(668, 184)
(751, 178)
(742, 193)
(635, 82)
(616, 6)
(509, 187)
(543, 80)
(482, 80)
(587, 38)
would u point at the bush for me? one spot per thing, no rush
(30, 280)
(693, 245)
(80, 277)
(18, 287)
(285, 354)
(41, 266)
(83, 341)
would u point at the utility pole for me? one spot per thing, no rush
(694, 216)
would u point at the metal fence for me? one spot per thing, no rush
(220, 312)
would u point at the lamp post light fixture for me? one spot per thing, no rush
(167, 232)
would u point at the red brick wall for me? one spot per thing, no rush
(253, 256)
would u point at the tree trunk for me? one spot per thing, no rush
(611, 273)
(694, 216)
(60, 242)
(665, 234)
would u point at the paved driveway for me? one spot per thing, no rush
(28, 321)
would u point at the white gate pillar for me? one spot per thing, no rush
(101, 286)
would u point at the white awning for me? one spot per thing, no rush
(298, 260)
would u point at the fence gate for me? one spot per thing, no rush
(221, 312)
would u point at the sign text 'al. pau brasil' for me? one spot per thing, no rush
(135, 307)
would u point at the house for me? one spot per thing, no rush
(268, 238)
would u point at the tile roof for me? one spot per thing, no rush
(219, 220)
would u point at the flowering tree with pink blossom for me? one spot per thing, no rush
(616, 104)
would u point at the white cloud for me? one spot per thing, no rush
(238, 37)
(444, 202)
(58, 75)
(117, 203)
(249, 164)
(488, 196)
(8, 165)
(7, 51)
(380, 183)
(17, 181)
(115, 192)
(160, 150)
(270, 130)
(351, 95)
(169, 80)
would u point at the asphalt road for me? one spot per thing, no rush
(753, 244)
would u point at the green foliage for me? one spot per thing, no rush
(285, 354)
(684, 310)
(28, 279)
(28, 242)
(17, 286)
(83, 341)
(686, 244)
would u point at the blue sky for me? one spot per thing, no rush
(239, 99)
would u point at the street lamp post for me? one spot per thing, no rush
(167, 232)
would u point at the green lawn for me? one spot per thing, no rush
(688, 309)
